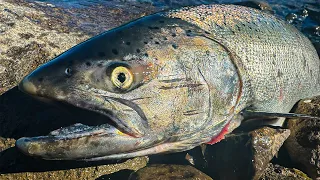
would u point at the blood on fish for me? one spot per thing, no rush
(220, 136)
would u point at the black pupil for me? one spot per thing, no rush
(121, 77)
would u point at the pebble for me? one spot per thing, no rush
(2, 69)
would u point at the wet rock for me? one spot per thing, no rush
(291, 17)
(261, 5)
(163, 171)
(6, 143)
(79, 173)
(281, 173)
(303, 144)
(32, 32)
(244, 155)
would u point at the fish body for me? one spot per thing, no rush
(173, 80)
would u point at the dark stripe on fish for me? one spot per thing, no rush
(180, 86)
(173, 80)
(135, 99)
(193, 112)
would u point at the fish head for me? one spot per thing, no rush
(148, 80)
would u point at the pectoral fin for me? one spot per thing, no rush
(251, 114)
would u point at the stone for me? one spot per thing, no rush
(303, 144)
(261, 5)
(168, 171)
(31, 33)
(6, 143)
(274, 171)
(243, 155)
(89, 173)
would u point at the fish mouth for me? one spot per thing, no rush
(113, 138)
(84, 142)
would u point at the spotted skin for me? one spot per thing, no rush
(278, 64)
(195, 69)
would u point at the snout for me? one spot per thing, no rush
(27, 86)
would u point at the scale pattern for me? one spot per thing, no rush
(277, 63)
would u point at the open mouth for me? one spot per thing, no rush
(94, 130)
(109, 128)
(90, 132)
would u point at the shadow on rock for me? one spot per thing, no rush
(24, 116)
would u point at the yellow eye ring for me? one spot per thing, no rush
(122, 77)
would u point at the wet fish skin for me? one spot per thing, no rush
(277, 63)
(195, 69)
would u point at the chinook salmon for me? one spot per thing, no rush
(173, 80)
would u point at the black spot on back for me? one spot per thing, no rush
(145, 42)
(146, 54)
(114, 51)
(173, 35)
(88, 63)
(279, 73)
(138, 50)
(174, 46)
(156, 42)
(239, 29)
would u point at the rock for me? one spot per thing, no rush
(281, 173)
(243, 155)
(6, 143)
(303, 144)
(79, 173)
(261, 5)
(163, 171)
(31, 33)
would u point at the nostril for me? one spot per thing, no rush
(68, 72)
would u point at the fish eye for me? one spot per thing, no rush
(122, 77)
